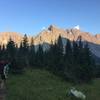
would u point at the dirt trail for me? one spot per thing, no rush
(2, 92)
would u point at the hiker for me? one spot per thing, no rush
(3, 70)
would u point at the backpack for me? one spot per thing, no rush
(6, 70)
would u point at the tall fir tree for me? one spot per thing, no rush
(25, 45)
(12, 56)
(32, 53)
(50, 57)
(25, 49)
(68, 50)
(80, 51)
(88, 62)
(75, 52)
(68, 59)
(11, 49)
(3, 53)
(59, 54)
(39, 60)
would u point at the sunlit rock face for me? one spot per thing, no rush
(50, 35)
(5, 36)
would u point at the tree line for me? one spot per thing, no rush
(73, 62)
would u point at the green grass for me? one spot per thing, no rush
(42, 85)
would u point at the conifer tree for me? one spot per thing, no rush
(80, 51)
(87, 63)
(39, 57)
(59, 61)
(3, 53)
(75, 52)
(11, 50)
(25, 45)
(68, 59)
(68, 50)
(25, 49)
(32, 53)
(50, 57)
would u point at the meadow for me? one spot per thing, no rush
(35, 84)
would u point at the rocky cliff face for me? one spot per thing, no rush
(97, 37)
(5, 36)
(52, 33)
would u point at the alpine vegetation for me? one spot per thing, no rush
(72, 61)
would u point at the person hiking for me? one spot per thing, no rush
(3, 72)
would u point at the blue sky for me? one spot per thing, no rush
(30, 16)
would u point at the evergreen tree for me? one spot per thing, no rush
(20, 56)
(32, 53)
(39, 57)
(88, 64)
(11, 50)
(87, 55)
(25, 50)
(59, 61)
(75, 52)
(25, 45)
(0, 51)
(80, 51)
(4, 54)
(83, 70)
(49, 55)
(68, 51)
(60, 46)
(68, 59)
(20, 51)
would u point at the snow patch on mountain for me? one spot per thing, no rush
(77, 27)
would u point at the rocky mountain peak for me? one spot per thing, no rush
(5, 36)
(52, 33)
(52, 28)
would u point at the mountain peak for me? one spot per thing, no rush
(52, 27)
(52, 33)
(4, 37)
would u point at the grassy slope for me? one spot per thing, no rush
(41, 85)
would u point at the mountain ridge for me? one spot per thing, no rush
(51, 34)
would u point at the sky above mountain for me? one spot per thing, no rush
(31, 16)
